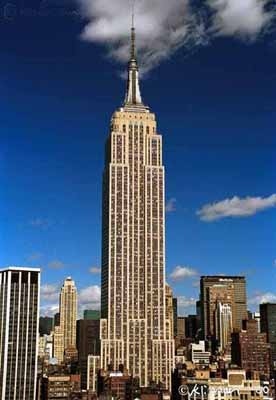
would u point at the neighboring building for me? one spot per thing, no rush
(198, 354)
(60, 386)
(19, 320)
(46, 325)
(46, 346)
(192, 326)
(68, 313)
(175, 316)
(93, 367)
(58, 344)
(235, 387)
(181, 327)
(227, 290)
(250, 349)
(57, 319)
(91, 314)
(169, 309)
(224, 327)
(88, 343)
(116, 385)
(268, 326)
(134, 329)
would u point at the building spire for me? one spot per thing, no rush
(133, 96)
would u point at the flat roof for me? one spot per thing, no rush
(28, 269)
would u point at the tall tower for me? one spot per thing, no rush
(135, 328)
(68, 313)
(228, 290)
(19, 313)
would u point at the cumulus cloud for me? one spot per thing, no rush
(35, 256)
(260, 298)
(165, 26)
(186, 305)
(171, 205)
(49, 310)
(236, 207)
(89, 298)
(49, 292)
(95, 270)
(241, 18)
(180, 273)
(41, 223)
(56, 264)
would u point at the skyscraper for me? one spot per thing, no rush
(135, 330)
(250, 349)
(224, 326)
(19, 315)
(88, 343)
(227, 290)
(65, 333)
(268, 326)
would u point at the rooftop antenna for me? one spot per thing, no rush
(133, 55)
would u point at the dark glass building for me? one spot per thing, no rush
(268, 326)
(88, 343)
(46, 325)
(19, 313)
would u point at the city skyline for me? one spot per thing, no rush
(66, 158)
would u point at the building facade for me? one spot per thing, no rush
(135, 330)
(268, 326)
(68, 312)
(227, 290)
(88, 343)
(250, 349)
(19, 322)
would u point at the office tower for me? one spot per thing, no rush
(169, 307)
(88, 343)
(192, 326)
(224, 326)
(19, 314)
(268, 326)
(181, 331)
(250, 349)
(174, 316)
(57, 319)
(68, 313)
(93, 366)
(91, 314)
(134, 329)
(58, 344)
(224, 289)
(46, 325)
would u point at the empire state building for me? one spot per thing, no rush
(136, 325)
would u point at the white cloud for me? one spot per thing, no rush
(171, 205)
(236, 207)
(274, 262)
(260, 298)
(90, 298)
(56, 264)
(242, 18)
(40, 223)
(180, 273)
(49, 310)
(162, 27)
(49, 292)
(35, 256)
(95, 270)
(185, 302)
(165, 26)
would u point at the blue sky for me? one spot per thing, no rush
(215, 103)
